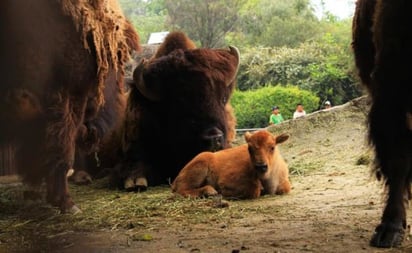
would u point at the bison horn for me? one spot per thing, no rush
(234, 51)
(140, 84)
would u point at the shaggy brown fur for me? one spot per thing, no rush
(57, 58)
(175, 40)
(102, 21)
(241, 172)
(382, 42)
(179, 99)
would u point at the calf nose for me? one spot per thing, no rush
(214, 138)
(261, 167)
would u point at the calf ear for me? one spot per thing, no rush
(282, 138)
(247, 136)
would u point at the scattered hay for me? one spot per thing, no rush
(364, 159)
(135, 213)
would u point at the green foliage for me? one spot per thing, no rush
(262, 66)
(206, 21)
(147, 16)
(324, 67)
(253, 107)
(277, 23)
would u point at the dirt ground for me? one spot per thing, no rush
(334, 206)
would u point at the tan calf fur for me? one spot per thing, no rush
(242, 172)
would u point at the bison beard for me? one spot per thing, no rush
(382, 42)
(57, 59)
(178, 106)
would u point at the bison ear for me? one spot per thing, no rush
(140, 84)
(282, 138)
(247, 136)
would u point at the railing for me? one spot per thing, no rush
(7, 162)
(242, 130)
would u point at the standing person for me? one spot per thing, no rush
(327, 104)
(275, 117)
(300, 112)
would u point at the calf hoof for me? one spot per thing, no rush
(208, 191)
(139, 184)
(388, 235)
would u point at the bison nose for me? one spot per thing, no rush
(261, 167)
(214, 138)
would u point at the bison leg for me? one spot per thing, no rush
(136, 179)
(63, 121)
(393, 148)
(391, 231)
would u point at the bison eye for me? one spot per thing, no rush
(224, 100)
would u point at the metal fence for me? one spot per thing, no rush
(7, 162)
(243, 130)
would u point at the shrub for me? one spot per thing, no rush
(253, 107)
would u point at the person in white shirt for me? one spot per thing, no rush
(300, 112)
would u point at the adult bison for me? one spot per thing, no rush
(61, 65)
(178, 106)
(382, 42)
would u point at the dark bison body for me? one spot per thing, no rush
(178, 106)
(382, 42)
(58, 62)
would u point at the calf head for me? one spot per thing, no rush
(189, 89)
(261, 147)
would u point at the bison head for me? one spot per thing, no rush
(261, 147)
(192, 88)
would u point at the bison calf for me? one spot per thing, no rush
(240, 172)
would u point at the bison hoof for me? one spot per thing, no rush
(81, 178)
(74, 210)
(388, 235)
(139, 184)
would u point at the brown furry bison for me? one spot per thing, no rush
(241, 172)
(62, 67)
(178, 106)
(382, 42)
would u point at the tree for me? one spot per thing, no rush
(278, 23)
(147, 16)
(206, 21)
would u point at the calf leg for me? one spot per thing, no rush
(194, 179)
(204, 191)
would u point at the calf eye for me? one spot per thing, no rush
(272, 148)
(224, 100)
